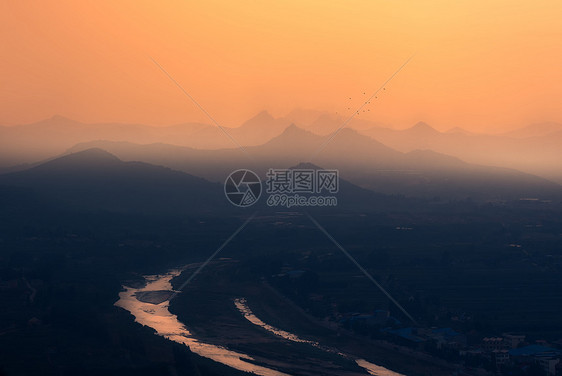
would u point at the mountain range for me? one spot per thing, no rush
(96, 180)
(417, 161)
(359, 159)
(535, 149)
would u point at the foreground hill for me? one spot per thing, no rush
(96, 180)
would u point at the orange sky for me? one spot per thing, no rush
(483, 65)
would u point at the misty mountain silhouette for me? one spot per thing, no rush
(259, 129)
(535, 149)
(29, 143)
(207, 145)
(535, 130)
(353, 197)
(360, 159)
(263, 119)
(91, 159)
(422, 129)
(97, 180)
(458, 130)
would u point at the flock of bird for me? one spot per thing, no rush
(365, 103)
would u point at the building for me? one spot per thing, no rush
(513, 340)
(447, 337)
(499, 357)
(491, 344)
(547, 357)
(548, 364)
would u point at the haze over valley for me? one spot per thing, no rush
(292, 188)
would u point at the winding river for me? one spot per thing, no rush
(149, 305)
(373, 369)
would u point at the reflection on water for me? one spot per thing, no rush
(158, 317)
(373, 369)
(249, 315)
(149, 305)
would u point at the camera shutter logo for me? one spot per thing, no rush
(242, 188)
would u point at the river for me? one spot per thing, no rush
(149, 305)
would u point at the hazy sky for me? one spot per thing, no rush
(479, 64)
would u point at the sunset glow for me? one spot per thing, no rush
(485, 66)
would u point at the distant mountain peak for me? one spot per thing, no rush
(293, 128)
(293, 131)
(456, 130)
(294, 135)
(422, 127)
(95, 153)
(55, 120)
(88, 156)
(262, 122)
(58, 117)
(262, 116)
(93, 159)
(305, 165)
